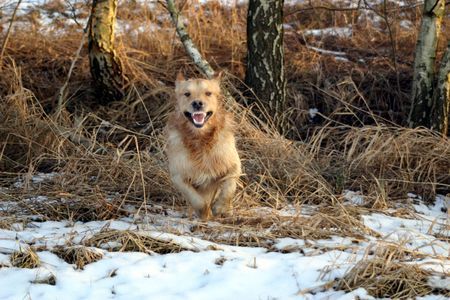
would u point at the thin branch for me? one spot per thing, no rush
(193, 52)
(62, 90)
(357, 8)
(393, 43)
(5, 41)
(73, 11)
(188, 44)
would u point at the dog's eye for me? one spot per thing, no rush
(187, 94)
(208, 94)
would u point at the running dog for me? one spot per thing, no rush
(204, 164)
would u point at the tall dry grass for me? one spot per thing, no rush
(109, 157)
(109, 161)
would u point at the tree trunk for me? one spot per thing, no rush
(106, 67)
(441, 98)
(265, 69)
(425, 56)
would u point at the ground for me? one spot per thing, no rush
(346, 205)
(289, 269)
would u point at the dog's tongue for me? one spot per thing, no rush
(198, 117)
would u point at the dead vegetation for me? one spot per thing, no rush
(110, 160)
(78, 255)
(385, 275)
(126, 240)
(25, 258)
(111, 157)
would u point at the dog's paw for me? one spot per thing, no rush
(204, 213)
(221, 210)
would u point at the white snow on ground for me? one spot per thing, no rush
(355, 198)
(331, 31)
(246, 273)
(213, 271)
(417, 234)
(337, 54)
(313, 112)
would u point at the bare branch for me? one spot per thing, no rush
(62, 90)
(5, 41)
(188, 44)
(358, 7)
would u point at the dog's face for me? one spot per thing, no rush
(197, 99)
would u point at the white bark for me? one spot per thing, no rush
(422, 89)
(441, 99)
(188, 44)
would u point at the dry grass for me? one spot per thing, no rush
(387, 273)
(387, 279)
(25, 258)
(125, 240)
(112, 157)
(105, 166)
(78, 255)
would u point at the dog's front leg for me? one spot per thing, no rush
(189, 192)
(226, 191)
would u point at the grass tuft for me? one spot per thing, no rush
(125, 240)
(387, 274)
(25, 258)
(78, 255)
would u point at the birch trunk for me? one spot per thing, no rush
(425, 56)
(265, 56)
(441, 99)
(106, 67)
(188, 44)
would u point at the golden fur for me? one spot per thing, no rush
(203, 162)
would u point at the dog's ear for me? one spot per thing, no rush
(180, 77)
(218, 76)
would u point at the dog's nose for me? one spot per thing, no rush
(197, 105)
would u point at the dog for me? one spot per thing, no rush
(204, 163)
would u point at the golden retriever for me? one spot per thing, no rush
(204, 164)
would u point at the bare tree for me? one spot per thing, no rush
(441, 98)
(424, 71)
(265, 65)
(106, 67)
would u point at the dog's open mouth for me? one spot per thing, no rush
(198, 118)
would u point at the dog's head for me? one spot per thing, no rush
(197, 99)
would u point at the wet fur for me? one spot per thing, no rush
(203, 163)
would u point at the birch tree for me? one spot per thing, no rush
(265, 55)
(441, 98)
(106, 67)
(422, 97)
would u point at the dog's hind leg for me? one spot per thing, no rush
(225, 192)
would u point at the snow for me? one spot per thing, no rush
(439, 209)
(291, 269)
(313, 112)
(36, 178)
(355, 198)
(337, 54)
(344, 32)
(406, 24)
(418, 234)
(246, 273)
